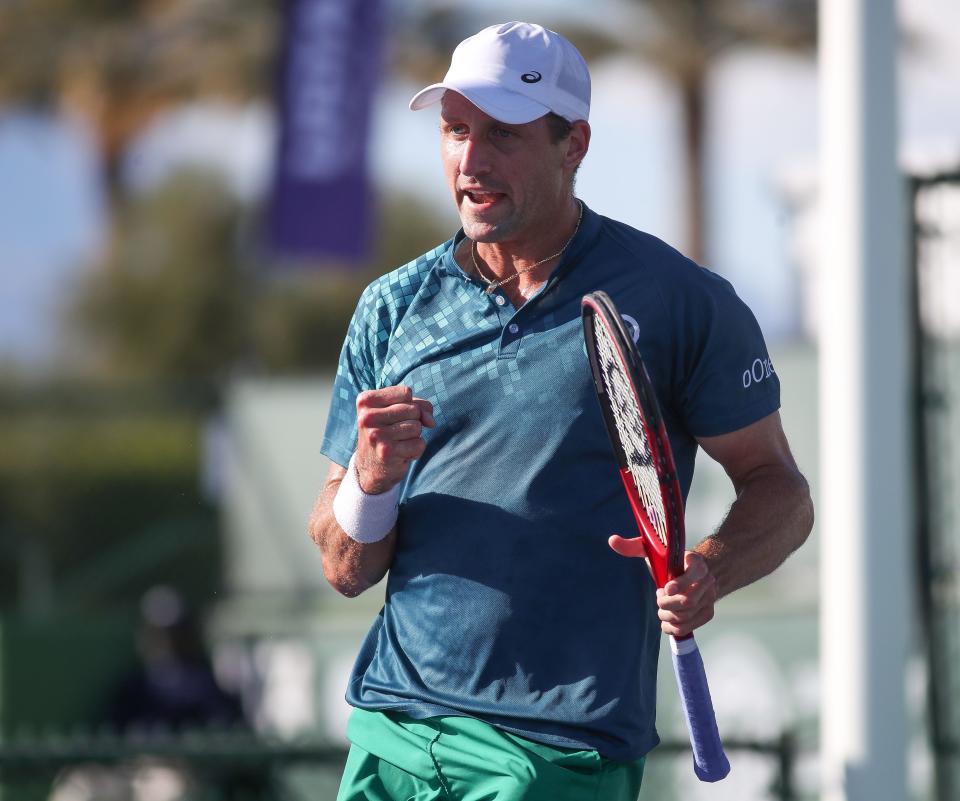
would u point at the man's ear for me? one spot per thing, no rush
(578, 143)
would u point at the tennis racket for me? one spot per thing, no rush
(643, 453)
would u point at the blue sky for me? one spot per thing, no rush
(51, 216)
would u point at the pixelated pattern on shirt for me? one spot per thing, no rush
(379, 311)
(431, 385)
(420, 338)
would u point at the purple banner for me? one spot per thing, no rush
(320, 208)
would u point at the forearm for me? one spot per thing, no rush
(390, 423)
(349, 566)
(771, 518)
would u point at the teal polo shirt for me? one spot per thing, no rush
(504, 601)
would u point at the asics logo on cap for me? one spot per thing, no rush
(530, 77)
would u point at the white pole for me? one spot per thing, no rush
(863, 506)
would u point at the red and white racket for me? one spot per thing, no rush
(643, 454)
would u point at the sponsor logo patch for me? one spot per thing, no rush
(760, 370)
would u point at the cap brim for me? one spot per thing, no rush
(494, 100)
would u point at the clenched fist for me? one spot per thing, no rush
(390, 424)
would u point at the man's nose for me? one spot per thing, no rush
(474, 159)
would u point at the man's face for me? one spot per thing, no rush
(509, 182)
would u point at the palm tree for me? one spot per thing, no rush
(118, 63)
(686, 38)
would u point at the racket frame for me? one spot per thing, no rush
(666, 559)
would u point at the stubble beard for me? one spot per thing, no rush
(488, 231)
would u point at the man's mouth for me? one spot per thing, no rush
(479, 198)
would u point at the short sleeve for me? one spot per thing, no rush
(727, 380)
(356, 371)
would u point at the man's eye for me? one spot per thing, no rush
(502, 133)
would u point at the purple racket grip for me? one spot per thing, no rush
(710, 763)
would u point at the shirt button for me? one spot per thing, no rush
(513, 328)
(500, 300)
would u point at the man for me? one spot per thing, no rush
(516, 654)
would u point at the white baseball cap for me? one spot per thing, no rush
(516, 72)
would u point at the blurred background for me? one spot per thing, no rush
(193, 194)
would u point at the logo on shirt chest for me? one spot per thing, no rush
(634, 327)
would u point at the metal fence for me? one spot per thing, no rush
(203, 766)
(936, 273)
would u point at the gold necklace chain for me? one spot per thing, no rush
(492, 285)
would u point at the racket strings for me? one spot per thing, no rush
(633, 437)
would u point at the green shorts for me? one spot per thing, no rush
(396, 758)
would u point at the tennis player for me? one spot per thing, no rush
(516, 654)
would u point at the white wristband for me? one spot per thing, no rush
(365, 518)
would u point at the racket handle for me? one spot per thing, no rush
(710, 763)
